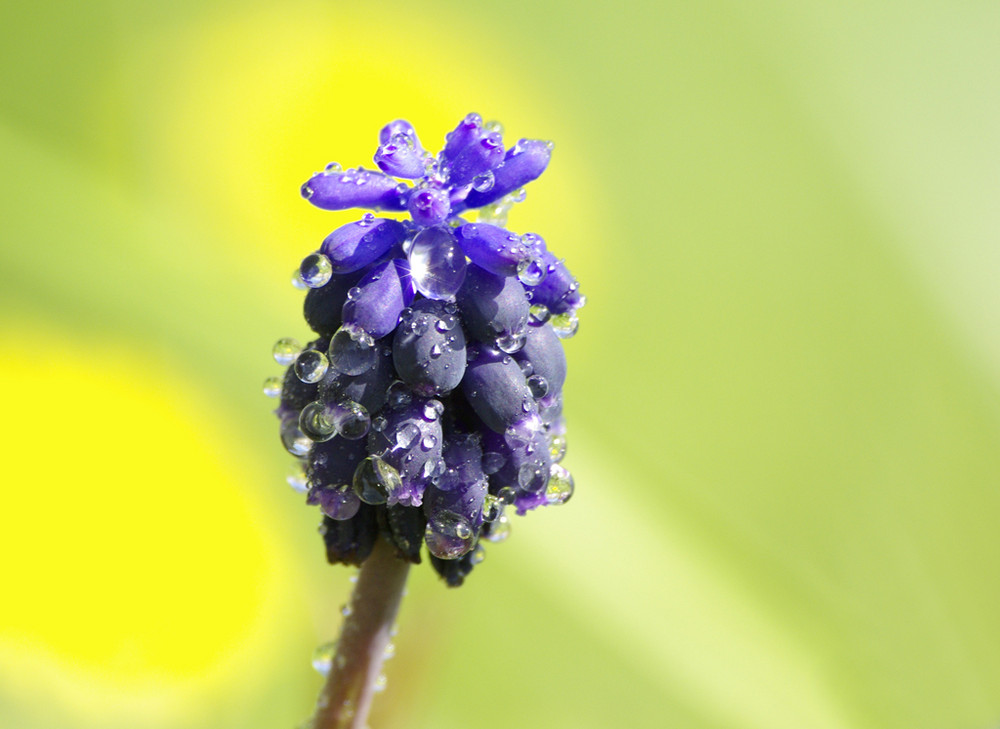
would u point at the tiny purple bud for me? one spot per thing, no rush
(490, 247)
(524, 162)
(559, 291)
(358, 188)
(378, 302)
(481, 156)
(429, 206)
(467, 132)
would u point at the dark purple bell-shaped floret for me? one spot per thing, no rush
(360, 188)
(428, 349)
(492, 306)
(488, 246)
(429, 206)
(330, 471)
(496, 388)
(543, 361)
(322, 306)
(559, 291)
(367, 389)
(374, 306)
(399, 153)
(353, 246)
(409, 442)
(526, 464)
(350, 541)
(454, 502)
(523, 163)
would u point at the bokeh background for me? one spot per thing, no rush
(783, 410)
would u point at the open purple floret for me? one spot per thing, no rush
(430, 402)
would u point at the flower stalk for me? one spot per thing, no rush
(351, 683)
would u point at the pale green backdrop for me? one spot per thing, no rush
(783, 410)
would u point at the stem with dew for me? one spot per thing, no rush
(350, 685)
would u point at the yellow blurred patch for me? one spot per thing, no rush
(135, 557)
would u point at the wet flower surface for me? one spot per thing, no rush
(430, 402)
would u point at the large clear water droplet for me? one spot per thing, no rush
(449, 535)
(352, 351)
(286, 350)
(375, 480)
(437, 263)
(531, 271)
(316, 270)
(311, 365)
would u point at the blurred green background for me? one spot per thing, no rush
(783, 411)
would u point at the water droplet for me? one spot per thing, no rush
(493, 462)
(507, 495)
(295, 441)
(297, 281)
(375, 480)
(499, 530)
(316, 422)
(296, 477)
(311, 365)
(530, 477)
(307, 192)
(539, 313)
(531, 271)
(560, 487)
(428, 442)
(512, 342)
(565, 325)
(398, 395)
(346, 610)
(378, 423)
(478, 554)
(557, 447)
(446, 323)
(351, 419)
(436, 351)
(322, 659)
(539, 386)
(519, 195)
(433, 409)
(389, 652)
(437, 263)
(315, 270)
(407, 436)
(448, 535)
(354, 293)
(492, 507)
(380, 683)
(527, 368)
(272, 387)
(285, 351)
(332, 168)
(483, 182)
(352, 351)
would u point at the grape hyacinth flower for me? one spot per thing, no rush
(429, 403)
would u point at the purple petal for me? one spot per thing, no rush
(490, 247)
(496, 388)
(481, 156)
(429, 206)
(467, 132)
(353, 246)
(559, 291)
(358, 188)
(377, 301)
(524, 162)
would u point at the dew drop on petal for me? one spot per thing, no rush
(316, 422)
(295, 441)
(448, 535)
(407, 436)
(296, 477)
(539, 313)
(500, 529)
(531, 271)
(286, 350)
(433, 409)
(352, 351)
(311, 365)
(351, 419)
(375, 480)
(297, 281)
(322, 659)
(437, 263)
(509, 343)
(492, 507)
(557, 447)
(538, 386)
(483, 182)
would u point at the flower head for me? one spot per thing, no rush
(430, 401)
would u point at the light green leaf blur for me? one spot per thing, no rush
(783, 410)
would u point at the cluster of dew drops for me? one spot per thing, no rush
(430, 400)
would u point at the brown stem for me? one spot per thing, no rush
(350, 685)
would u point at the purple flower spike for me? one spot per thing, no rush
(491, 247)
(358, 188)
(353, 246)
(431, 400)
(524, 162)
(429, 206)
(376, 303)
